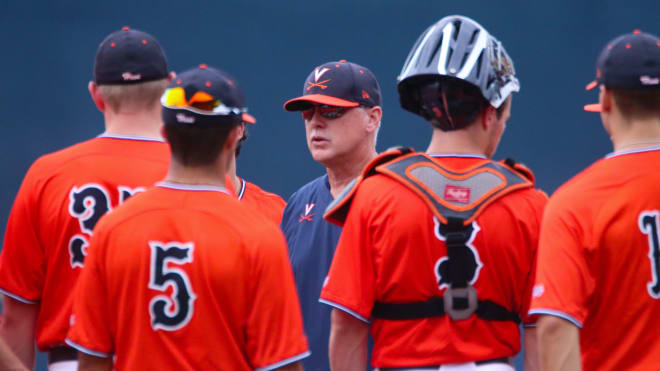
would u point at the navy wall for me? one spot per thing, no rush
(47, 50)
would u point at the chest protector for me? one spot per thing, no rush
(456, 199)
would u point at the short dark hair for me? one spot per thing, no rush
(451, 104)
(638, 103)
(196, 146)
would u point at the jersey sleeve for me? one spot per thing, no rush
(537, 203)
(275, 335)
(22, 260)
(563, 284)
(351, 282)
(90, 321)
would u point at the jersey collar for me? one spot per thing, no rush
(631, 151)
(191, 187)
(130, 137)
(463, 155)
(241, 192)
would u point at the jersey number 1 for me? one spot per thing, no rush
(170, 313)
(648, 224)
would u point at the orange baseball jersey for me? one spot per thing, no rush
(391, 250)
(599, 260)
(268, 204)
(194, 278)
(62, 197)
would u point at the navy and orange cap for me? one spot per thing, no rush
(204, 96)
(340, 84)
(129, 57)
(630, 61)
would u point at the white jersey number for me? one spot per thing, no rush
(88, 203)
(170, 313)
(648, 224)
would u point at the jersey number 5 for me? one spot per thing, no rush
(170, 313)
(648, 224)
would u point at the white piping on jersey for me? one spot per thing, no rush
(18, 298)
(131, 137)
(191, 187)
(343, 308)
(82, 349)
(242, 191)
(631, 151)
(556, 313)
(463, 155)
(285, 362)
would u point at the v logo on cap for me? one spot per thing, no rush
(319, 72)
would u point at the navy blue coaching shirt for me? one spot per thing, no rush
(312, 243)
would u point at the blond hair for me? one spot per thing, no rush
(133, 97)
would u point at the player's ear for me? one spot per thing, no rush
(606, 100)
(96, 96)
(234, 136)
(375, 114)
(488, 117)
(241, 130)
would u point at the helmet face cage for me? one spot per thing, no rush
(460, 48)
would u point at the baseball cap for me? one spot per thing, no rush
(630, 61)
(341, 84)
(128, 57)
(204, 96)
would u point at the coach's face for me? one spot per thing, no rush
(336, 140)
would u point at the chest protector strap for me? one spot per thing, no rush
(456, 199)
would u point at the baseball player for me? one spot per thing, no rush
(65, 193)
(437, 249)
(186, 272)
(597, 290)
(268, 204)
(340, 106)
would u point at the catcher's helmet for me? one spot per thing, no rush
(460, 48)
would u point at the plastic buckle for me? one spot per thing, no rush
(468, 293)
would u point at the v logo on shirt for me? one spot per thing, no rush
(307, 216)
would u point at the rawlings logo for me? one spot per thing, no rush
(127, 76)
(180, 117)
(648, 80)
(457, 194)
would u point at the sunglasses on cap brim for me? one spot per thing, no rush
(201, 103)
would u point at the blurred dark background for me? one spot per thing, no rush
(270, 46)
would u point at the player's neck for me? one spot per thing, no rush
(213, 175)
(636, 134)
(231, 172)
(457, 141)
(143, 123)
(341, 173)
